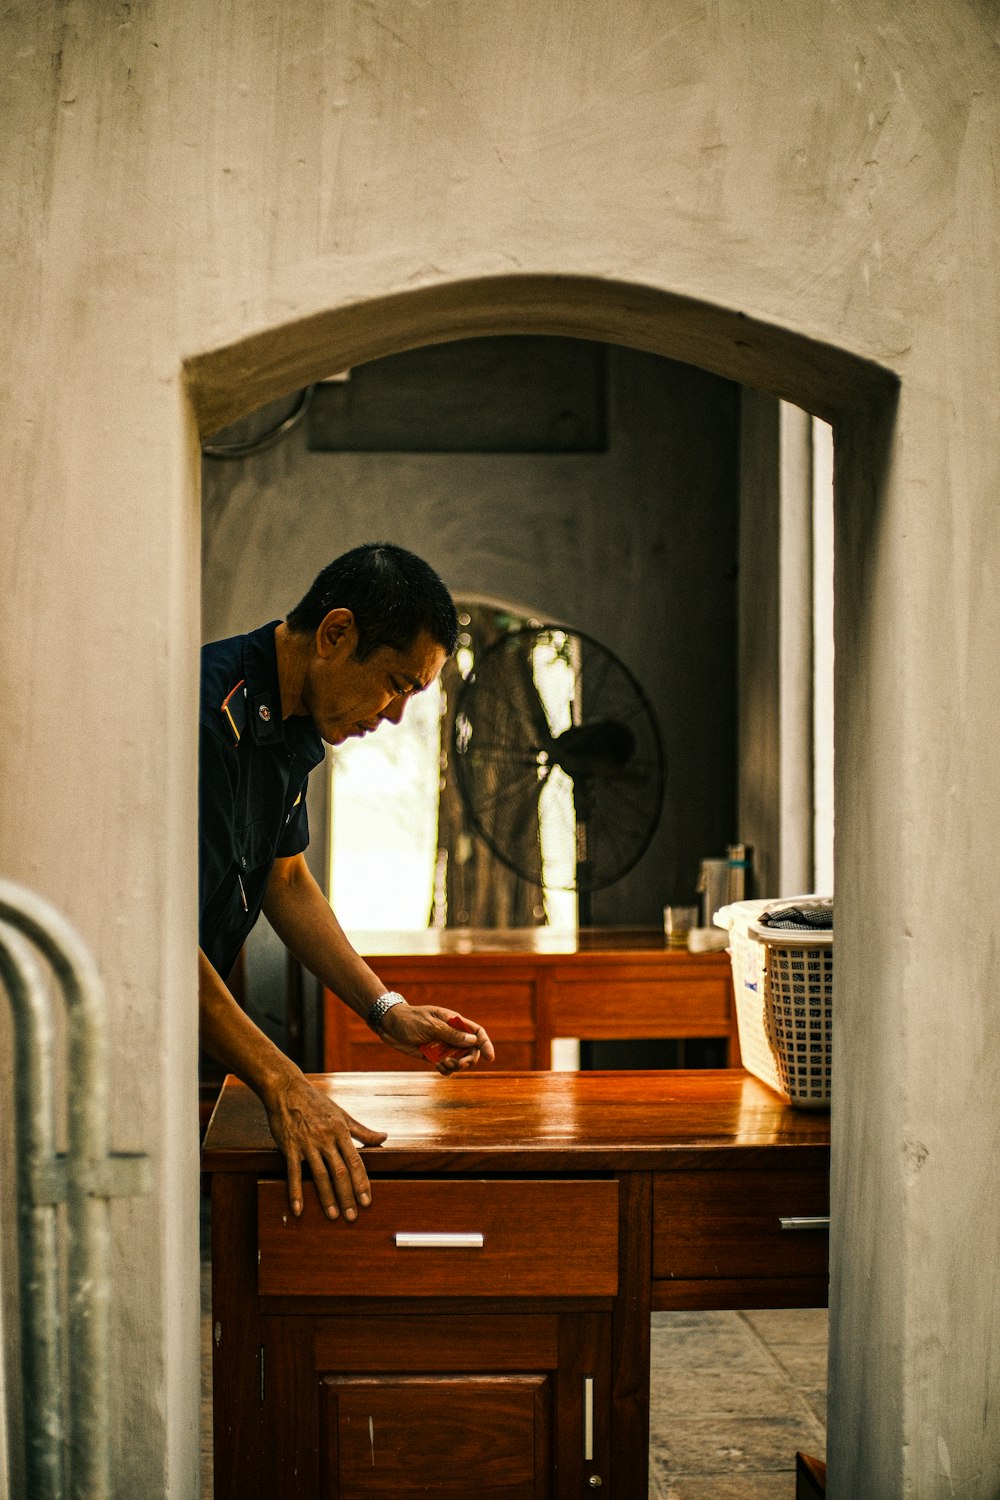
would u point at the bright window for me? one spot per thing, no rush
(383, 810)
(557, 684)
(384, 802)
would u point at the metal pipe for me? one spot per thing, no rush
(38, 1257)
(86, 1178)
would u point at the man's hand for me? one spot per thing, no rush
(409, 1027)
(307, 1125)
(301, 916)
(310, 1127)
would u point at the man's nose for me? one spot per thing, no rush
(394, 711)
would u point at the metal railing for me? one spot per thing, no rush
(59, 1463)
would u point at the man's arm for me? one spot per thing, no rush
(301, 916)
(305, 1123)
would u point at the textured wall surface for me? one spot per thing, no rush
(204, 207)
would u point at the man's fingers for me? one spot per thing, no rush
(464, 1033)
(481, 1044)
(295, 1184)
(311, 1128)
(459, 1064)
(484, 1044)
(324, 1188)
(363, 1134)
(350, 1180)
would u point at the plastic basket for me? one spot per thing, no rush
(783, 982)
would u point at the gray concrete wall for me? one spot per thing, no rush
(635, 546)
(207, 206)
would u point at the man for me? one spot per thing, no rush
(374, 629)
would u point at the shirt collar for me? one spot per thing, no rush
(263, 690)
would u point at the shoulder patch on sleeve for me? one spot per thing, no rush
(234, 710)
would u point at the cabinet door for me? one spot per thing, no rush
(392, 1437)
(498, 1406)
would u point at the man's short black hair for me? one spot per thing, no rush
(392, 594)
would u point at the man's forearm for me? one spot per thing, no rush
(228, 1034)
(302, 917)
(308, 1126)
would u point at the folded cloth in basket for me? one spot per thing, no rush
(801, 916)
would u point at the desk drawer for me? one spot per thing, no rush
(535, 1239)
(727, 1224)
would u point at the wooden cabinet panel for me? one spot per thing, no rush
(741, 1291)
(460, 1341)
(238, 1428)
(369, 1055)
(539, 1238)
(615, 1008)
(400, 1436)
(726, 1224)
(526, 988)
(543, 1429)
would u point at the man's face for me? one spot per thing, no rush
(348, 698)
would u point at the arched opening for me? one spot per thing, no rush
(854, 395)
(228, 382)
(595, 314)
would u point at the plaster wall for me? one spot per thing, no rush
(207, 206)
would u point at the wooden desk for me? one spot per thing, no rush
(352, 1368)
(529, 986)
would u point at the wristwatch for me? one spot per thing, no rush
(379, 1007)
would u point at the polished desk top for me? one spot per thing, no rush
(513, 942)
(489, 1121)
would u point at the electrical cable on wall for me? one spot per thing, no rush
(266, 439)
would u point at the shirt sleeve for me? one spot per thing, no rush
(216, 831)
(295, 834)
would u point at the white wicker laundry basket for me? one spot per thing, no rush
(783, 982)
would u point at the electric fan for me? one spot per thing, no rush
(556, 747)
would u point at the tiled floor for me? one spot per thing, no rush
(733, 1396)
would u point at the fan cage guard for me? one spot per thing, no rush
(505, 753)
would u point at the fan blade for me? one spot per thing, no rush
(523, 714)
(507, 820)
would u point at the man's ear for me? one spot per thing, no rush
(337, 634)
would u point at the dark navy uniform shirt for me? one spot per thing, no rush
(252, 787)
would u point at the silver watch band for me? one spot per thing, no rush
(379, 1007)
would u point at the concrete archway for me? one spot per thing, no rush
(856, 395)
(228, 382)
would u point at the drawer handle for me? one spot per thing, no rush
(816, 1221)
(407, 1240)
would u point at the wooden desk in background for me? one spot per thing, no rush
(527, 987)
(359, 1361)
